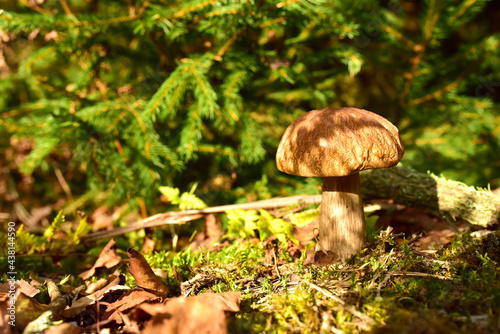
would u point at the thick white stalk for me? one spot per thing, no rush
(342, 221)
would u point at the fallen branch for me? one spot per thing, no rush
(181, 217)
(446, 198)
(156, 220)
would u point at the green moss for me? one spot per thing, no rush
(395, 287)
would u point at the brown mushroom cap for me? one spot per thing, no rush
(338, 142)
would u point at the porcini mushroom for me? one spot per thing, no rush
(336, 144)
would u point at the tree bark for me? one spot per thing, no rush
(342, 220)
(445, 198)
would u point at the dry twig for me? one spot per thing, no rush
(348, 307)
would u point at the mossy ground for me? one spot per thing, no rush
(391, 286)
(453, 288)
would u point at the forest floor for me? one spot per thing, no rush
(415, 275)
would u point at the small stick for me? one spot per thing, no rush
(382, 267)
(348, 307)
(276, 264)
(180, 217)
(417, 274)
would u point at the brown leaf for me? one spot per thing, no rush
(21, 286)
(136, 297)
(306, 233)
(108, 258)
(144, 275)
(320, 258)
(294, 250)
(217, 247)
(27, 288)
(213, 227)
(229, 301)
(82, 303)
(27, 310)
(148, 246)
(129, 326)
(4, 313)
(269, 257)
(201, 314)
(26, 307)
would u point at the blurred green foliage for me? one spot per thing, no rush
(128, 96)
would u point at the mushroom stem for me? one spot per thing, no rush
(342, 220)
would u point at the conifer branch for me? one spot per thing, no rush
(186, 11)
(461, 12)
(138, 118)
(102, 22)
(223, 49)
(66, 8)
(420, 48)
(190, 133)
(286, 3)
(147, 151)
(143, 8)
(11, 127)
(398, 36)
(214, 149)
(40, 54)
(159, 96)
(35, 7)
(432, 18)
(220, 12)
(176, 95)
(272, 22)
(117, 120)
(446, 88)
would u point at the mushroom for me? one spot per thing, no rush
(335, 144)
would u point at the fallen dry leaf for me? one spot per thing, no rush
(148, 246)
(229, 301)
(307, 233)
(4, 313)
(136, 297)
(26, 288)
(320, 258)
(269, 257)
(201, 314)
(27, 310)
(108, 259)
(129, 325)
(21, 287)
(213, 227)
(81, 304)
(294, 250)
(144, 275)
(94, 312)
